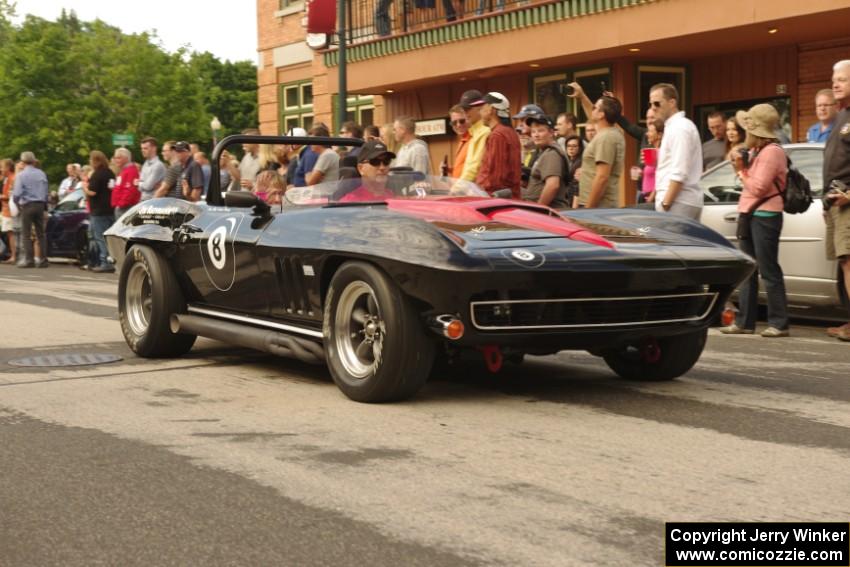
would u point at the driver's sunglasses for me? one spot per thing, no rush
(378, 161)
(459, 122)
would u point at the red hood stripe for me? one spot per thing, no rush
(466, 211)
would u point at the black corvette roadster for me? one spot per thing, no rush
(381, 286)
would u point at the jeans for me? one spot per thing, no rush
(763, 245)
(32, 214)
(482, 6)
(382, 17)
(99, 225)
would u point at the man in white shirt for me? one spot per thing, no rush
(679, 167)
(153, 170)
(413, 152)
(249, 167)
(69, 183)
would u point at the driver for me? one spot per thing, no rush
(373, 164)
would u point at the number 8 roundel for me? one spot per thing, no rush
(218, 253)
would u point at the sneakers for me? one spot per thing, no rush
(42, 264)
(734, 329)
(108, 269)
(774, 333)
(836, 331)
(26, 264)
(844, 334)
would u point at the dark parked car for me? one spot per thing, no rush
(68, 228)
(379, 288)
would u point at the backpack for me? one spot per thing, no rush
(798, 191)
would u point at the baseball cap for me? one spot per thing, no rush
(499, 102)
(528, 110)
(181, 147)
(373, 149)
(297, 132)
(471, 98)
(539, 119)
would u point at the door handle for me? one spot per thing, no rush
(731, 217)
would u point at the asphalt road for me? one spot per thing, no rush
(231, 457)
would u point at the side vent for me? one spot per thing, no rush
(291, 286)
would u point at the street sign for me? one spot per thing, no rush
(122, 139)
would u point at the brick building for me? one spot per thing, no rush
(723, 55)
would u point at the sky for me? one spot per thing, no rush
(227, 29)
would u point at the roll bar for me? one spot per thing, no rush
(214, 196)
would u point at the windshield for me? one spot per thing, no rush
(396, 185)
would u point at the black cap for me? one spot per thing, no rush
(373, 149)
(539, 119)
(471, 98)
(528, 110)
(181, 147)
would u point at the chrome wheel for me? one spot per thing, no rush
(359, 330)
(138, 299)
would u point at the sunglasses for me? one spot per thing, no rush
(656, 104)
(459, 122)
(378, 161)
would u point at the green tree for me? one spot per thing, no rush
(229, 91)
(67, 86)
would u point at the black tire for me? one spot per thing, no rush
(375, 344)
(676, 355)
(83, 248)
(148, 294)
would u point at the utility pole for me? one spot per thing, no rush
(342, 32)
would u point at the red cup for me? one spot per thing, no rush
(650, 156)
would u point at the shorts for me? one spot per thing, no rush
(10, 224)
(837, 232)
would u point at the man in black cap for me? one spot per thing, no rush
(471, 102)
(191, 175)
(546, 183)
(374, 167)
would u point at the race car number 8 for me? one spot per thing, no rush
(216, 248)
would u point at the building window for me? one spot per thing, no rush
(649, 75)
(296, 106)
(358, 108)
(284, 4)
(548, 93)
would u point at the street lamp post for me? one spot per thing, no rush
(215, 125)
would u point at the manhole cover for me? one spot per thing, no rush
(73, 359)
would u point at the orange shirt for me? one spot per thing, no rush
(8, 183)
(460, 154)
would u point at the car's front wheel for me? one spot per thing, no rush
(659, 359)
(375, 344)
(148, 294)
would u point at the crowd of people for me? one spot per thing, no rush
(529, 156)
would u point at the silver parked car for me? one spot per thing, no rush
(810, 279)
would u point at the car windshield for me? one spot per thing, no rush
(721, 185)
(397, 185)
(72, 201)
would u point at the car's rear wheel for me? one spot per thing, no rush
(82, 249)
(659, 359)
(148, 294)
(375, 345)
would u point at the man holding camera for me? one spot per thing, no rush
(836, 178)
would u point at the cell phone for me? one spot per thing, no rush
(603, 85)
(566, 89)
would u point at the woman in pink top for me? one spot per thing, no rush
(763, 179)
(654, 133)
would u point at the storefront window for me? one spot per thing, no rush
(548, 94)
(649, 75)
(593, 82)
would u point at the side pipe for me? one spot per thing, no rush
(266, 340)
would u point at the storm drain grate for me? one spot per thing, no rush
(72, 359)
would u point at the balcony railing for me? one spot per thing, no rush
(384, 27)
(376, 19)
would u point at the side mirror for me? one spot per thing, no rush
(246, 200)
